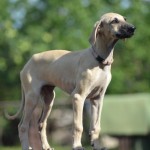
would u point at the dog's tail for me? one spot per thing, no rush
(12, 117)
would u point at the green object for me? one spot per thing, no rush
(126, 115)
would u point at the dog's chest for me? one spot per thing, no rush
(100, 83)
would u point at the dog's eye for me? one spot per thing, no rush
(115, 20)
(125, 18)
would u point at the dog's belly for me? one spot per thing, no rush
(63, 78)
(67, 80)
(66, 84)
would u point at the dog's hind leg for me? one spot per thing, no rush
(31, 99)
(48, 97)
(34, 136)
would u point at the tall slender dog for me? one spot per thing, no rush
(83, 74)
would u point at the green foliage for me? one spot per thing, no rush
(9, 136)
(28, 27)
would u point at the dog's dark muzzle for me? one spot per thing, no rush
(126, 31)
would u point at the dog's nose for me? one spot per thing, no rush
(131, 28)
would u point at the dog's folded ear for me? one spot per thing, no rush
(93, 35)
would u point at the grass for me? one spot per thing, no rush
(19, 148)
(10, 148)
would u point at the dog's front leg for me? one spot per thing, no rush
(78, 102)
(96, 108)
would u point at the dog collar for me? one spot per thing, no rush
(96, 56)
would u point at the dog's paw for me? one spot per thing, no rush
(49, 149)
(79, 148)
(46, 147)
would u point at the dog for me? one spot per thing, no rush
(82, 74)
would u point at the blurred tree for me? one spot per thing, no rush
(32, 26)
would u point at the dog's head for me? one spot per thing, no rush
(112, 25)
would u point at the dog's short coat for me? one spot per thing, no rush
(83, 74)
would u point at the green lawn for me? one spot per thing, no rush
(19, 148)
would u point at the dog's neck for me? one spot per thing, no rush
(104, 48)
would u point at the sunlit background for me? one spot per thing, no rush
(32, 26)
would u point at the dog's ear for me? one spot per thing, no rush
(96, 29)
